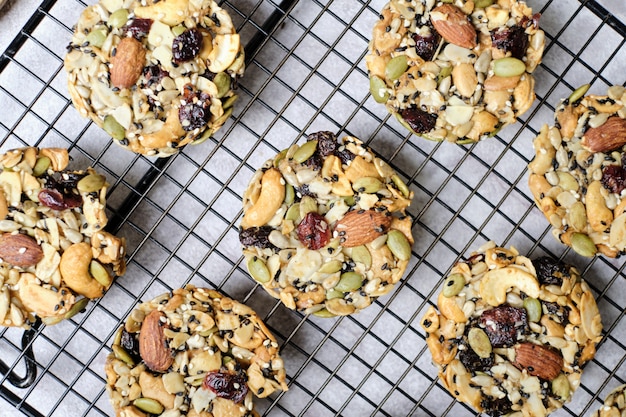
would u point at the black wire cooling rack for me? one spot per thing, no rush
(305, 73)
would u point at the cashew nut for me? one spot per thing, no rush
(170, 132)
(171, 12)
(544, 154)
(360, 168)
(332, 170)
(524, 94)
(42, 301)
(224, 51)
(74, 267)
(496, 283)
(451, 308)
(269, 201)
(590, 314)
(152, 387)
(617, 236)
(600, 217)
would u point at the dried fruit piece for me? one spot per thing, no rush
(359, 227)
(186, 46)
(538, 360)
(614, 178)
(152, 349)
(418, 120)
(139, 28)
(313, 231)
(256, 236)
(473, 362)
(607, 137)
(326, 142)
(20, 250)
(130, 343)
(228, 385)
(504, 324)
(454, 26)
(56, 200)
(128, 62)
(550, 271)
(426, 46)
(513, 39)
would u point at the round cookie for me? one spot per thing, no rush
(511, 335)
(193, 352)
(324, 228)
(614, 404)
(155, 75)
(54, 253)
(578, 174)
(455, 71)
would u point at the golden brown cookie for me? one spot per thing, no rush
(511, 335)
(155, 75)
(578, 174)
(54, 253)
(193, 352)
(324, 228)
(455, 71)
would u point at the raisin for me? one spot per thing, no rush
(345, 155)
(473, 362)
(186, 46)
(228, 385)
(418, 120)
(623, 159)
(194, 109)
(326, 142)
(503, 324)
(313, 231)
(304, 190)
(550, 271)
(513, 39)
(130, 343)
(139, 28)
(426, 46)
(153, 75)
(315, 162)
(256, 236)
(496, 407)
(57, 200)
(559, 313)
(614, 178)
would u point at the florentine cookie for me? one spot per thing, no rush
(455, 71)
(614, 404)
(54, 253)
(578, 175)
(193, 352)
(324, 227)
(511, 335)
(155, 76)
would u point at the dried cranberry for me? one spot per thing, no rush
(418, 120)
(130, 343)
(226, 385)
(426, 46)
(313, 231)
(550, 271)
(326, 142)
(186, 46)
(614, 178)
(503, 323)
(153, 74)
(194, 109)
(496, 407)
(57, 200)
(513, 39)
(256, 236)
(139, 28)
(473, 362)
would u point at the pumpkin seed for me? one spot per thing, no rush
(349, 200)
(305, 151)
(453, 285)
(258, 270)
(508, 67)
(290, 194)
(179, 30)
(41, 166)
(91, 183)
(209, 332)
(222, 119)
(237, 63)
(51, 320)
(97, 37)
(205, 135)
(117, 339)
(533, 309)
(307, 205)
(349, 281)
(122, 355)
(481, 4)
(331, 267)
(443, 74)
(369, 185)
(118, 18)
(78, 306)
(100, 273)
(378, 90)
(398, 245)
(578, 93)
(396, 67)
(324, 313)
(148, 405)
(228, 103)
(113, 128)
(560, 387)
(400, 185)
(280, 157)
(330, 294)
(479, 342)
(293, 213)
(583, 245)
(222, 82)
(362, 254)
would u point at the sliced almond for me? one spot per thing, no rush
(359, 227)
(152, 347)
(538, 360)
(128, 63)
(454, 26)
(20, 250)
(606, 138)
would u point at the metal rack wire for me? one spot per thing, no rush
(180, 215)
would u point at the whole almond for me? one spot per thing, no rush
(538, 360)
(607, 137)
(152, 349)
(128, 63)
(20, 250)
(359, 227)
(454, 26)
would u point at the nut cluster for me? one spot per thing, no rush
(512, 334)
(54, 253)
